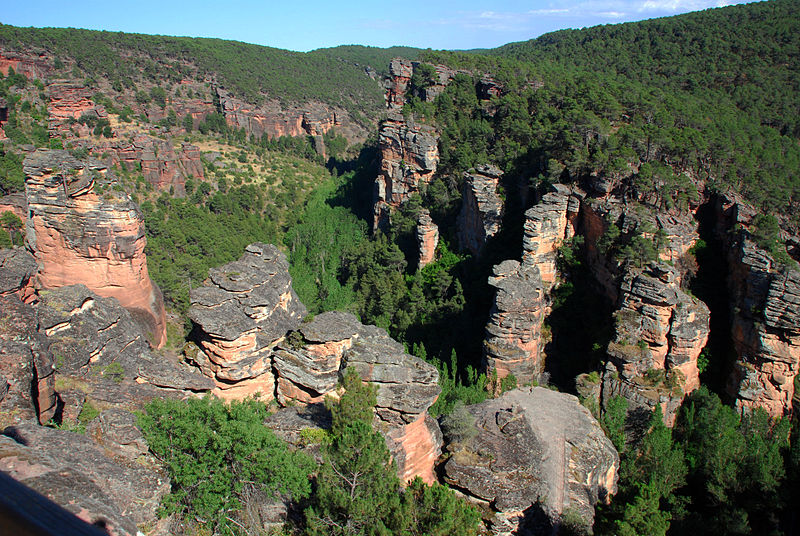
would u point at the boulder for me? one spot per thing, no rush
(530, 456)
(81, 236)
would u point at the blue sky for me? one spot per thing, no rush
(313, 24)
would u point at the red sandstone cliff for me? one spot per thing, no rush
(79, 235)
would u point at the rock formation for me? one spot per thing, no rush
(765, 301)
(95, 337)
(427, 238)
(513, 333)
(16, 204)
(409, 156)
(3, 117)
(547, 224)
(251, 339)
(274, 120)
(26, 367)
(68, 102)
(481, 208)
(29, 65)
(245, 308)
(71, 470)
(17, 274)
(529, 456)
(79, 235)
(400, 72)
(659, 334)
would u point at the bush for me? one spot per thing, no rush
(217, 455)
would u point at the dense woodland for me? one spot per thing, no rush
(710, 95)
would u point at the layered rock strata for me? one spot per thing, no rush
(27, 383)
(244, 309)
(92, 337)
(427, 238)
(481, 208)
(547, 224)
(29, 65)
(513, 333)
(400, 73)
(68, 102)
(79, 236)
(251, 339)
(765, 302)
(409, 156)
(529, 456)
(659, 334)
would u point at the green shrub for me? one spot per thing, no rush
(216, 453)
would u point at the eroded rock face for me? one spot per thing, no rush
(17, 274)
(400, 73)
(409, 156)
(244, 309)
(79, 236)
(659, 334)
(427, 238)
(93, 337)
(27, 383)
(407, 386)
(513, 332)
(70, 101)
(530, 455)
(766, 328)
(547, 224)
(74, 472)
(481, 208)
(29, 65)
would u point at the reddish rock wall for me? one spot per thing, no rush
(409, 156)
(70, 100)
(80, 236)
(29, 65)
(481, 208)
(427, 238)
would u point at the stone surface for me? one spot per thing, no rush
(765, 302)
(78, 235)
(513, 332)
(30, 65)
(547, 224)
(27, 383)
(427, 238)
(659, 334)
(533, 453)
(481, 208)
(409, 156)
(93, 338)
(400, 72)
(74, 472)
(68, 102)
(17, 274)
(244, 309)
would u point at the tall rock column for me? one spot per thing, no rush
(660, 332)
(409, 156)
(766, 328)
(81, 236)
(481, 208)
(427, 238)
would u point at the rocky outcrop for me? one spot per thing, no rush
(17, 274)
(29, 65)
(308, 368)
(16, 204)
(513, 341)
(481, 208)
(659, 334)
(529, 456)
(3, 117)
(409, 156)
(74, 472)
(400, 73)
(547, 224)
(765, 301)
(488, 87)
(273, 120)
(244, 309)
(95, 337)
(68, 102)
(27, 384)
(80, 236)
(427, 238)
